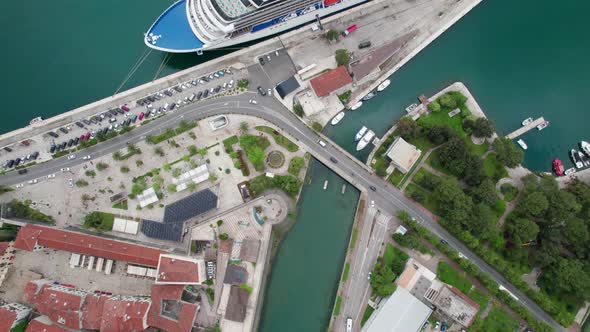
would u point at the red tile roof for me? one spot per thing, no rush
(61, 307)
(37, 326)
(331, 81)
(86, 245)
(124, 315)
(7, 318)
(186, 314)
(3, 247)
(177, 269)
(92, 311)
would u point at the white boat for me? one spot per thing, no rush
(522, 144)
(367, 138)
(411, 108)
(356, 106)
(575, 155)
(527, 121)
(325, 184)
(543, 125)
(570, 171)
(337, 118)
(369, 96)
(36, 120)
(360, 134)
(585, 146)
(383, 85)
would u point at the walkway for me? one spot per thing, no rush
(420, 164)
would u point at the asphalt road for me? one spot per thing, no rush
(387, 198)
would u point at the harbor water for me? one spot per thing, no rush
(518, 58)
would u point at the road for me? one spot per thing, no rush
(388, 199)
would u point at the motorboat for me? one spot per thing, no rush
(543, 125)
(356, 106)
(365, 140)
(558, 167)
(522, 144)
(383, 85)
(337, 118)
(360, 134)
(575, 155)
(570, 171)
(369, 96)
(585, 146)
(527, 121)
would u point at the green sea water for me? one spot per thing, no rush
(519, 58)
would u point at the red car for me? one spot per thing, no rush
(82, 137)
(125, 108)
(141, 116)
(87, 135)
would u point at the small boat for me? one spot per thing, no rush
(543, 125)
(570, 171)
(522, 144)
(527, 121)
(585, 146)
(575, 155)
(356, 106)
(337, 118)
(383, 85)
(369, 96)
(35, 120)
(360, 134)
(367, 138)
(558, 167)
(583, 158)
(325, 184)
(411, 108)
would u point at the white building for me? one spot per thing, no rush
(399, 312)
(402, 154)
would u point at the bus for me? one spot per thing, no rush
(349, 324)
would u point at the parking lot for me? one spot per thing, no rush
(272, 68)
(68, 138)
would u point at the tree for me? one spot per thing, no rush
(485, 193)
(101, 166)
(317, 126)
(575, 232)
(382, 279)
(244, 127)
(159, 151)
(219, 222)
(521, 230)
(298, 109)
(342, 57)
(332, 35)
(474, 172)
(439, 134)
(568, 276)
(223, 236)
(482, 127)
(483, 222)
(434, 106)
(124, 169)
(507, 152)
(447, 101)
(453, 156)
(455, 206)
(533, 203)
(408, 128)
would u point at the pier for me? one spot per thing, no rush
(525, 129)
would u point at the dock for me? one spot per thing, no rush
(524, 129)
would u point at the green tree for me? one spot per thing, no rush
(434, 106)
(159, 151)
(408, 128)
(223, 236)
(482, 127)
(219, 222)
(507, 152)
(447, 101)
(124, 169)
(101, 166)
(483, 222)
(532, 204)
(575, 232)
(474, 172)
(81, 183)
(317, 126)
(342, 57)
(244, 127)
(568, 276)
(382, 280)
(521, 230)
(332, 35)
(298, 109)
(454, 155)
(485, 193)
(455, 206)
(439, 134)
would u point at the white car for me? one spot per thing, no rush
(33, 181)
(372, 204)
(252, 101)
(72, 156)
(269, 92)
(20, 185)
(71, 183)
(65, 169)
(51, 176)
(86, 157)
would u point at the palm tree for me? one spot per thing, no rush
(244, 126)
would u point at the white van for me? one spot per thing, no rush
(322, 143)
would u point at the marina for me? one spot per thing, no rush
(337, 118)
(527, 125)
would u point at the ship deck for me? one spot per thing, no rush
(172, 31)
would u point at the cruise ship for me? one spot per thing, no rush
(198, 25)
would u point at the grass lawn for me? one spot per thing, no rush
(121, 205)
(280, 139)
(493, 168)
(353, 237)
(422, 143)
(479, 296)
(448, 274)
(367, 315)
(345, 272)
(100, 221)
(395, 258)
(498, 320)
(396, 177)
(429, 203)
(229, 142)
(337, 305)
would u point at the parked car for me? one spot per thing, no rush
(261, 60)
(71, 157)
(22, 171)
(262, 93)
(79, 124)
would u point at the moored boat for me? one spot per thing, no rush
(36, 120)
(367, 138)
(570, 171)
(383, 85)
(575, 155)
(360, 134)
(543, 125)
(522, 144)
(337, 118)
(369, 96)
(558, 167)
(585, 146)
(356, 106)
(527, 121)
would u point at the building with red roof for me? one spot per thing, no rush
(11, 314)
(125, 313)
(59, 303)
(180, 270)
(6, 259)
(92, 311)
(169, 312)
(33, 236)
(331, 81)
(43, 324)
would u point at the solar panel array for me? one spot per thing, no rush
(177, 213)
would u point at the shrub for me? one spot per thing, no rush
(342, 57)
(101, 166)
(223, 236)
(81, 183)
(124, 169)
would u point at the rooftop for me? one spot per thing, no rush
(58, 303)
(3, 247)
(125, 314)
(30, 235)
(399, 312)
(43, 324)
(179, 270)
(402, 154)
(7, 318)
(92, 311)
(235, 275)
(236, 306)
(168, 312)
(249, 250)
(458, 306)
(331, 81)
